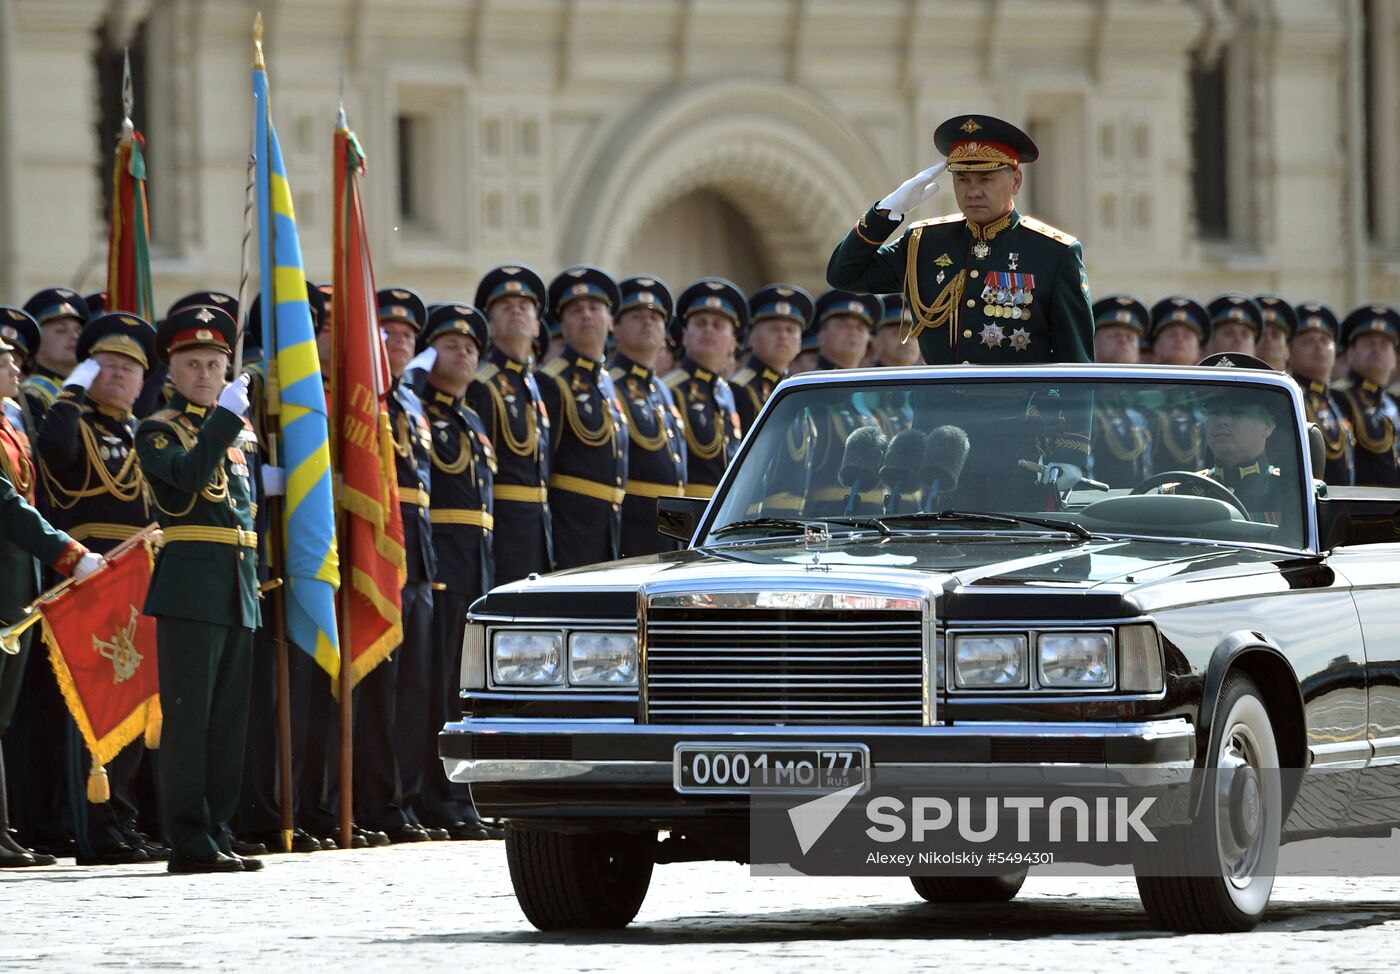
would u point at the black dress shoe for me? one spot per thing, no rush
(116, 856)
(10, 859)
(156, 853)
(8, 843)
(219, 864)
(475, 831)
(249, 865)
(244, 847)
(375, 838)
(436, 834)
(358, 840)
(408, 833)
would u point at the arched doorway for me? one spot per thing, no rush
(701, 234)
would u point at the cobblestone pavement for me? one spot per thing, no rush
(448, 906)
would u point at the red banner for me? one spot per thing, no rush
(371, 539)
(103, 652)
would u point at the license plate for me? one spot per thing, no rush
(738, 769)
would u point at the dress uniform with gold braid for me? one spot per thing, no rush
(1012, 292)
(755, 382)
(656, 461)
(1373, 413)
(42, 385)
(27, 541)
(709, 417)
(1323, 405)
(1176, 423)
(463, 519)
(1120, 446)
(86, 455)
(507, 399)
(204, 595)
(588, 445)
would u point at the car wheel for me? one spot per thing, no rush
(969, 889)
(567, 881)
(1232, 852)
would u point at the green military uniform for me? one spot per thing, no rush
(1012, 291)
(203, 594)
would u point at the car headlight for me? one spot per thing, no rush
(1076, 660)
(528, 658)
(989, 662)
(603, 659)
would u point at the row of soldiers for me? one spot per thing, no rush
(510, 461)
(1345, 367)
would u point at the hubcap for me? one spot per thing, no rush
(1240, 812)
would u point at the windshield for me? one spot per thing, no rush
(1169, 458)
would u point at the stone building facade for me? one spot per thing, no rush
(1193, 145)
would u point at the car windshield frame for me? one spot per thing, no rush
(1166, 376)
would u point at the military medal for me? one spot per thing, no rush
(1020, 339)
(980, 250)
(939, 278)
(992, 336)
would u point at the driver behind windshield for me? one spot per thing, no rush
(1237, 434)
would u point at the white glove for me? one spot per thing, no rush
(234, 398)
(87, 564)
(274, 481)
(84, 374)
(912, 192)
(423, 360)
(1065, 476)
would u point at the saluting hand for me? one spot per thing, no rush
(84, 374)
(234, 398)
(913, 191)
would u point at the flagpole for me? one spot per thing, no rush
(347, 643)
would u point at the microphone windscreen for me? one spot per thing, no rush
(865, 448)
(902, 459)
(944, 456)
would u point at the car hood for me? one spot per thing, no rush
(1118, 574)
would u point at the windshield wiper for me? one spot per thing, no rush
(1069, 527)
(793, 524)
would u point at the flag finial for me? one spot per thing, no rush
(128, 95)
(257, 42)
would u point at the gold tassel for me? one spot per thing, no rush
(153, 728)
(98, 788)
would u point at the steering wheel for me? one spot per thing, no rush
(1206, 487)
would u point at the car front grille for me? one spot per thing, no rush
(781, 666)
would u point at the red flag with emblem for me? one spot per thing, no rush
(371, 540)
(103, 652)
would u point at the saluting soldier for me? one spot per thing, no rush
(1369, 336)
(1312, 356)
(588, 429)
(87, 462)
(778, 315)
(1236, 325)
(1178, 329)
(1280, 322)
(60, 313)
(464, 467)
(1120, 449)
(655, 442)
(711, 316)
(987, 285)
(26, 542)
(195, 455)
(507, 398)
(21, 333)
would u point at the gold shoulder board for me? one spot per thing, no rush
(936, 221)
(555, 366)
(1059, 236)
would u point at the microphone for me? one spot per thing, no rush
(944, 456)
(901, 465)
(860, 464)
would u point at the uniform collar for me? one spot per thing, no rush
(1235, 474)
(437, 396)
(629, 367)
(995, 227)
(766, 371)
(698, 371)
(1310, 385)
(825, 364)
(504, 362)
(44, 372)
(111, 412)
(182, 405)
(581, 361)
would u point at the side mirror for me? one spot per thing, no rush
(676, 517)
(1317, 450)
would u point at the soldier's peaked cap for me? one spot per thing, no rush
(868, 307)
(1316, 316)
(506, 280)
(781, 301)
(1380, 319)
(1121, 309)
(645, 292)
(582, 281)
(19, 331)
(1179, 310)
(717, 295)
(893, 311)
(119, 332)
(56, 302)
(1277, 312)
(1239, 308)
(981, 143)
(199, 326)
(456, 319)
(401, 304)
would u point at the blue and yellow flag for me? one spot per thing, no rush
(312, 567)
